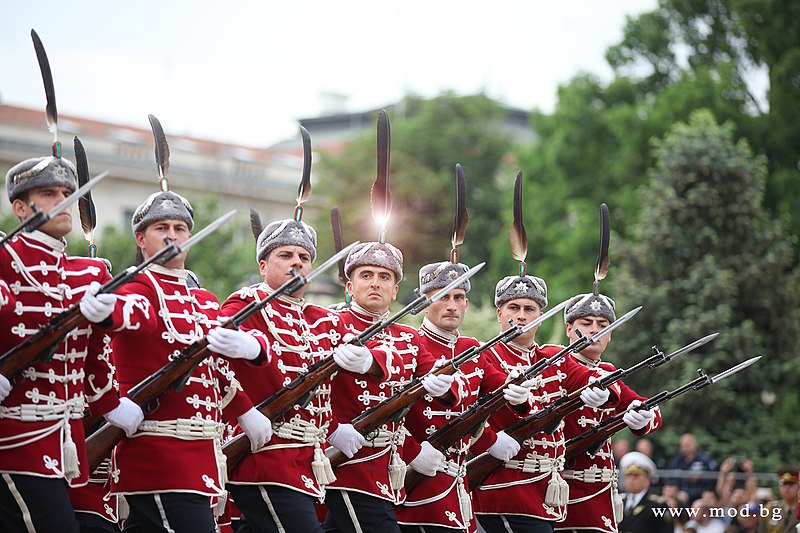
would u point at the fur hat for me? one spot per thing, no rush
(515, 287)
(439, 275)
(40, 172)
(165, 205)
(589, 304)
(286, 232)
(380, 254)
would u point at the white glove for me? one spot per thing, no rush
(354, 358)
(504, 448)
(127, 415)
(594, 396)
(638, 418)
(96, 307)
(233, 343)
(347, 440)
(437, 385)
(5, 388)
(428, 460)
(257, 427)
(519, 394)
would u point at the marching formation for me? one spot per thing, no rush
(142, 402)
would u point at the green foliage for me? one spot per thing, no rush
(428, 138)
(705, 257)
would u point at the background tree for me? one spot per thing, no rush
(705, 257)
(428, 138)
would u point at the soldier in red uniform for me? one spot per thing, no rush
(276, 487)
(441, 503)
(42, 442)
(172, 467)
(370, 484)
(529, 494)
(594, 503)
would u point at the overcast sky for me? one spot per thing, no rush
(246, 71)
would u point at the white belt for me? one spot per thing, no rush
(591, 475)
(538, 464)
(43, 413)
(300, 430)
(384, 438)
(186, 428)
(452, 468)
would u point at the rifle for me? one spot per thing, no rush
(42, 345)
(548, 419)
(39, 217)
(396, 406)
(591, 440)
(175, 374)
(300, 389)
(471, 420)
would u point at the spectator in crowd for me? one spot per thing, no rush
(704, 521)
(736, 485)
(782, 517)
(696, 465)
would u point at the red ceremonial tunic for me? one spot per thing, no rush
(41, 431)
(443, 500)
(369, 470)
(298, 335)
(178, 446)
(521, 485)
(592, 479)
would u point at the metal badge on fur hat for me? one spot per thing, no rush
(515, 287)
(40, 172)
(162, 206)
(589, 305)
(439, 275)
(284, 233)
(380, 254)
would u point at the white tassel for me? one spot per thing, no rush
(71, 463)
(397, 471)
(557, 494)
(321, 467)
(221, 504)
(464, 502)
(123, 509)
(616, 502)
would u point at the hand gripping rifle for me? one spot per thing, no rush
(547, 419)
(299, 390)
(591, 440)
(471, 421)
(40, 218)
(175, 374)
(42, 345)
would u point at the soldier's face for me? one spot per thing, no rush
(151, 240)
(372, 287)
(636, 482)
(448, 312)
(45, 199)
(589, 326)
(520, 311)
(279, 263)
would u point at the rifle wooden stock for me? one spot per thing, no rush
(173, 375)
(592, 444)
(237, 448)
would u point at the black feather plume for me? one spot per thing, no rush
(304, 191)
(517, 235)
(49, 89)
(338, 240)
(255, 223)
(86, 209)
(462, 216)
(162, 151)
(381, 194)
(603, 261)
